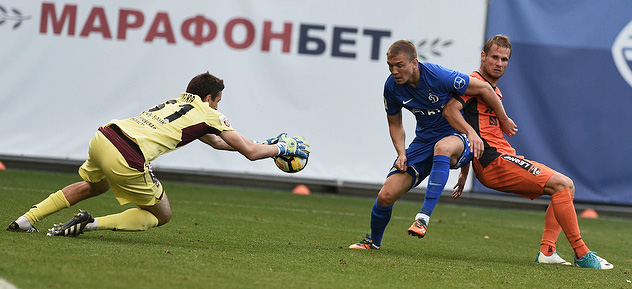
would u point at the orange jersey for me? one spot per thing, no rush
(485, 122)
(499, 167)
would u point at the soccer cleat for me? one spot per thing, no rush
(14, 227)
(418, 228)
(72, 228)
(553, 259)
(591, 260)
(366, 244)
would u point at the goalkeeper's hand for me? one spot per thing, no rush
(273, 140)
(293, 146)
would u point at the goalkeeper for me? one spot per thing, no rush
(120, 153)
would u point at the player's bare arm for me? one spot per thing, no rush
(460, 184)
(452, 113)
(487, 94)
(398, 137)
(216, 142)
(251, 150)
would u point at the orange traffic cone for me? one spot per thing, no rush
(301, 190)
(2, 167)
(589, 214)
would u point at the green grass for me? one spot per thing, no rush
(226, 237)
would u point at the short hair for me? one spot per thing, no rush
(500, 40)
(205, 84)
(402, 46)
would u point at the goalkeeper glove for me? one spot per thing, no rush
(292, 146)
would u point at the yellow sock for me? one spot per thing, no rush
(54, 203)
(129, 220)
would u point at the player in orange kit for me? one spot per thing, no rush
(500, 168)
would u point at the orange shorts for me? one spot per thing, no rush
(514, 174)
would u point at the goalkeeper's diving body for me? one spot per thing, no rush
(120, 153)
(424, 89)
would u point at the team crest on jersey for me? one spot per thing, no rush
(224, 120)
(459, 82)
(432, 97)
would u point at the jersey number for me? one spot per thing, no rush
(492, 119)
(184, 108)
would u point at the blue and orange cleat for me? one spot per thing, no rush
(418, 228)
(365, 244)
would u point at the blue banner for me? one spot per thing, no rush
(568, 87)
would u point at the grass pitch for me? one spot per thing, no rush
(227, 237)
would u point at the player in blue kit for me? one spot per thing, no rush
(424, 89)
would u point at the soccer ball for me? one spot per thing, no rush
(290, 164)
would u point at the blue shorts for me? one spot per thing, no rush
(419, 155)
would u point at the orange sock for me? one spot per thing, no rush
(551, 232)
(564, 211)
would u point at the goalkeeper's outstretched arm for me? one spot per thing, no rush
(216, 142)
(234, 141)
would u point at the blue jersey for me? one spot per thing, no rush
(436, 86)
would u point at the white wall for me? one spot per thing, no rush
(57, 87)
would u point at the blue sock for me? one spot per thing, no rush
(436, 182)
(380, 216)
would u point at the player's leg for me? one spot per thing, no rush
(143, 189)
(79, 191)
(129, 185)
(94, 184)
(396, 185)
(161, 210)
(552, 228)
(562, 191)
(512, 174)
(137, 219)
(53, 203)
(447, 153)
(548, 253)
(418, 160)
(60, 200)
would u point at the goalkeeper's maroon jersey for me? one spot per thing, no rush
(172, 124)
